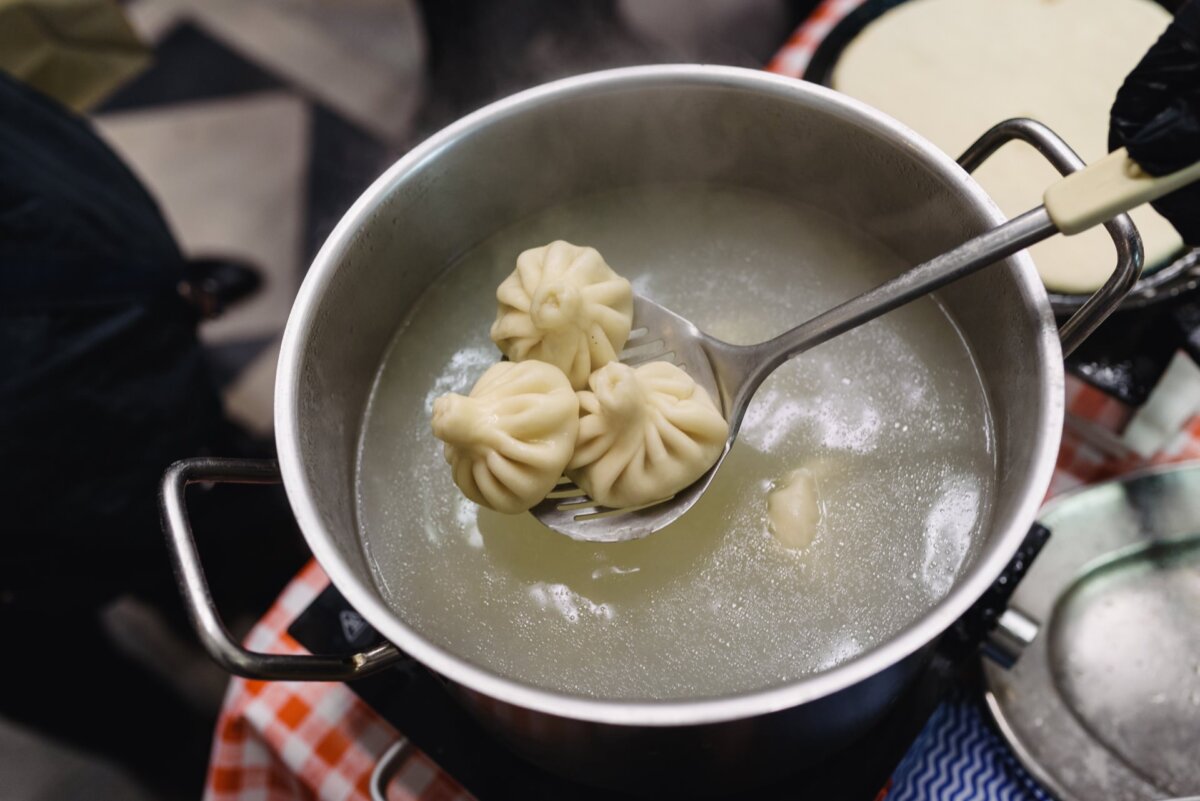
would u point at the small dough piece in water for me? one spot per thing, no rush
(510, 439)
(794, 509)
(644, 434)
(564, 305)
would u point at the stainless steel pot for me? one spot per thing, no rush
(583, 135)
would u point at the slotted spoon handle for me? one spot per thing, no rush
(989, 247)
(1106, 188)
(1081, 200)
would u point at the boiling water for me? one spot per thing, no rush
(891, 418)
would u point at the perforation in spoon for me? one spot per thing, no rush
(575, 505)
(566, 492)
(606, 512)
(643, 350)
(669, 357)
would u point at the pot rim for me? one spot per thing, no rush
(674, 712)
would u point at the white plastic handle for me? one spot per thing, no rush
(1101, 191)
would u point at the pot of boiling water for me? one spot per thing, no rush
(747, 203)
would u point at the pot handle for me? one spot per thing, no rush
(1124, 235)
(185, 559)
(1001, 631)
(387, 767)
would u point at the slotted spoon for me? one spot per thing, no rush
(732, 373)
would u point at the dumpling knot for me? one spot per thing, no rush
(565, 306)
(556, 306)
(455, 419)
(618, 391)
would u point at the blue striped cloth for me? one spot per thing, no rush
(958, 757)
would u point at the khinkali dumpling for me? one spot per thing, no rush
(509, 440)
(644, 434)
(564, 305)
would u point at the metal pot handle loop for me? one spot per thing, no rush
(1124, 235)
(387, 767)
(185, 559)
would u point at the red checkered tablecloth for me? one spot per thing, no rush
(792, 59)
(1084, 459)
(307, 741)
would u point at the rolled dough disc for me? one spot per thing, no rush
(950, 69)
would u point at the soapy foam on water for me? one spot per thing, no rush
(891, 418)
